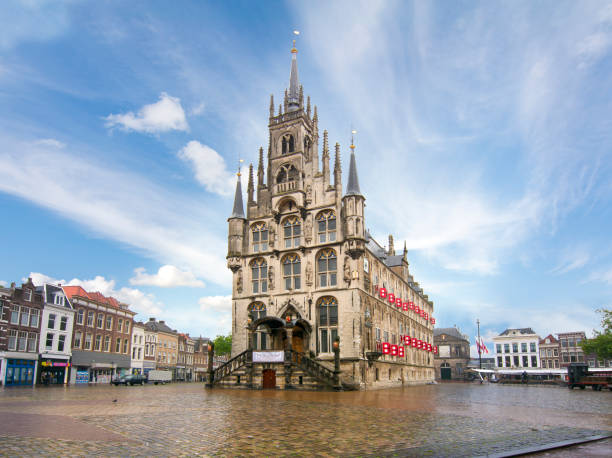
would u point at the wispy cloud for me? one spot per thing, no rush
(572, 260)
(166, 277)
(162, 116)
(603, 276)
(123, 206)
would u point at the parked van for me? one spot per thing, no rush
(160, 377)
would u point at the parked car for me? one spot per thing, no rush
(133, 379)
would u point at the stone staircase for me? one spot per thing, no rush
(298, 372)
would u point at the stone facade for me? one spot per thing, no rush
(453, 354)
(306, 271)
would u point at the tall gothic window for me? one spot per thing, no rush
(326, 226)
(328, 322)
(259, 275)
(260, 237)
(260, 336)
(327, 268)
(291, 232)
(291, 271)
(288, 144)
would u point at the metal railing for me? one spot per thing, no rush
(233, 364)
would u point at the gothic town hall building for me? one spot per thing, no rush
(306, 272)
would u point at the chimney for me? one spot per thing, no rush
(162, 322)
(151, 319)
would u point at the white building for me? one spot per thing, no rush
(55, 342)
(138, 348)
(517, 348)
(150, 350)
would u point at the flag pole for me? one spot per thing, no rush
(478, 345)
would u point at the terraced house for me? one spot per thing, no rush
(307, 272)
(101, 340)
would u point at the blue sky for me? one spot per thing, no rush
(484, 141)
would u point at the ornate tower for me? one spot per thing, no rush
(353, 205)
(237, 225)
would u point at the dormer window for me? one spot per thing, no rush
(58, 299)
(27, 295)
(288, 144)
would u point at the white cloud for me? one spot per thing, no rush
(603, 276)
(52, 142)
(216, 303)
(171, 228)
(166, 277)
(572, 260)
(209, 166)
(164, 115)
(3, 283)
(139, 302)
(198, 109)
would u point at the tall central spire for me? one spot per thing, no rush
(294, 82)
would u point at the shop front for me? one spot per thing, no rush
(97, 367)
(53, 371)
(19, 372)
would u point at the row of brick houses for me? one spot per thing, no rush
(54, 334)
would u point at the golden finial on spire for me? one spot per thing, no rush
(353, 132)
(240, 161)
(294, 49)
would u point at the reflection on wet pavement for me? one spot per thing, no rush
(442, 420)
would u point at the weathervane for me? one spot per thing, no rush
(296, 33)
(353, 132)
(240, 161)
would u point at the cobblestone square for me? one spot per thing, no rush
(187, 419)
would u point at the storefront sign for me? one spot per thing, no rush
(268, 356)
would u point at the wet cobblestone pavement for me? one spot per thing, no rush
(185, 419)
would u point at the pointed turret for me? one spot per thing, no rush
(354, 203)
(325, 158)
(294, 83)
(238, 211)
(405, 251)
(250, 186)
(260, 170)
(337, 168)
(352, 187)
(391, 247)
(271, 105)
(308, 106)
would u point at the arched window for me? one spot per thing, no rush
(259, 275)
(292, 271)
(260, 237)
(287, 172)
(291, 232)
(288, 144)
(327, 267)
(326, 226)
(257, 310)
(260, 336)
(328, 322)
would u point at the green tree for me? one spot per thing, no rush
(601, 344)
(223, 345)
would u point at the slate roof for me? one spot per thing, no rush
(520, 331)
(352, 188)
(158, 326)
(453, 332)
(49, 291)
(238, 211)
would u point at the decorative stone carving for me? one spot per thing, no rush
(308, 194)
(272, 236)
(347, 270)
(239, 282)
(271, 278)
(233, 263)
(309, 273)
(308, 229)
